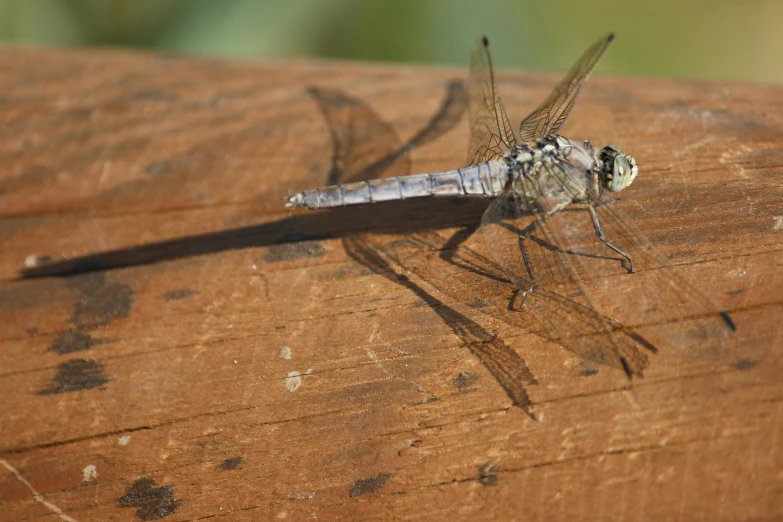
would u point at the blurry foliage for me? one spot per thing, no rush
(719, 39)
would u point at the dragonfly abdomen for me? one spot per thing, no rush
(485, 180)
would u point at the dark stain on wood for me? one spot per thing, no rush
(288, 252)
(477, 304)
(746, 364)
(465, 380)
(183, 293)
(98, 303)
(232, 463)
(488, 474)
(73, 341)
(75, 375)
(370, 485)
(153, 503)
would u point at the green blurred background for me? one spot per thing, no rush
(719, 39)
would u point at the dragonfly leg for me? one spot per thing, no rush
(600, 233)
(589, 148)
(525, 234)
(522, 236)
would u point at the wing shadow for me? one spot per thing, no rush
(364, 147)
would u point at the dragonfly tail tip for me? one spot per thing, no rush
(294, 201)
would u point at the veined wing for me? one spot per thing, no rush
(490, 131)
(561, 300)
(572, 322)
(551, 114)
(657, 293)
(571, 269)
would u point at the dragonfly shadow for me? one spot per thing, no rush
(357, 130)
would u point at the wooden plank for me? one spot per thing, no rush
(177, 345)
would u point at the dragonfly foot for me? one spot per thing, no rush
(525, 294)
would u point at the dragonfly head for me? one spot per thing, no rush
(618, 169)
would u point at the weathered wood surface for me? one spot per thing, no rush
(177, 344)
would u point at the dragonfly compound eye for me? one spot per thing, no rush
(618, 170)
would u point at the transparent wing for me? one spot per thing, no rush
(595, 308)
(658, 293)
(490, 131)
(561, 301)
(551, 114)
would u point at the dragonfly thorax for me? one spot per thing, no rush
(551, 149)
(615, 170)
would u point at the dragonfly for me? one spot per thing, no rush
(531, 177)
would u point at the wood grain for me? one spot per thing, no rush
(176, 344)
